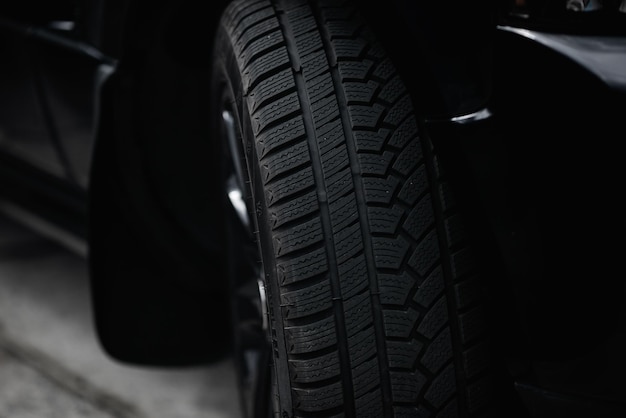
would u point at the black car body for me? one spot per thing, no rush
(103, 131)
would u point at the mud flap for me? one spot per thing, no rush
(158, 297)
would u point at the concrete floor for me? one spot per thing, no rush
(50, 362)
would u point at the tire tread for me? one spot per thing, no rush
(377, 290)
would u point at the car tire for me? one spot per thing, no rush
(373, 294)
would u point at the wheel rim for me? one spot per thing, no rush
(250, 319)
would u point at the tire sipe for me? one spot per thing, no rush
(371, 290)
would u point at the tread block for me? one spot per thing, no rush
(330, 136)
(395, 289)
(253, 32)
(408, 412)
(421, 219)
(355, 70)
(410, 157)
(404, 133)
(384, 70)
(450, 410)
(431, 289)
(479, 394)
(442, 387)
(351, 275)
(339, 185)
(249, 18)
(357, 313)
(407, 386)
(280, 135)
(447, 197)
(455, 230)
(307, 301)
(293, 210)
(439, 352)
(366, 377)
(260, 46)
(400, 323)
(348, 243)
(314, 64)
(370, 140)
(403, 355)
(335, 159)
(463, 262)
(380, 190)
(264, 67)
(476, 359)
(362, 345)
(349, 48)
(312, 337)
(302, 22)
(389, 253)
(360, 92)
(375, 163)
(434, 320)
(343, 212)
(273, 112)
(414, 187)
(471, 324)
(319, 87)
(286, 187)
(286, 160)
(384, 220)
(308, 42)
(426, 254)
(366, 117)
(237, 11)
(392, 90)
(278, 84)
(313, 400)
(369, 405)
(343, 28)
(297, 237)
(315, 370)
(468, 292)
(302, 267)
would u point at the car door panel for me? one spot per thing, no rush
(24, 127)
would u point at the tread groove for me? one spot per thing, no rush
(361, 207)
(346, 372)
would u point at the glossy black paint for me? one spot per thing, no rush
(25, 122)
(43, 122)
(539, 180)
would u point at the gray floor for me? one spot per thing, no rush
(50, 363)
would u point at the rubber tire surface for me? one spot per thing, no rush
(371, 288)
